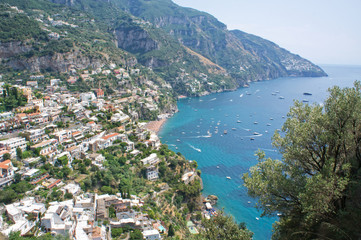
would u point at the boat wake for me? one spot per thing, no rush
(202, 136)
(252, 136)
(193, 147)
(213, 99)
(268, 150)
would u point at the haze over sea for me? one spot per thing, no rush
(248, 113)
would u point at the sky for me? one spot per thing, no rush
(323, 31)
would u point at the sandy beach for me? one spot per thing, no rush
(155, 126)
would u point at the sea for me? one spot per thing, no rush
(222, 132)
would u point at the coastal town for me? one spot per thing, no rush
(86, 166)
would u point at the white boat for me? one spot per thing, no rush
(239, 121)
(217, 166)
(257, 218)
(255, 123)
(281, 97)
(228, 177)
(178, 140)
(268, 124)
(256, 133)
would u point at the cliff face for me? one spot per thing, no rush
(135, 40)
(244, 56)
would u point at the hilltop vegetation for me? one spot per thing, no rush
(191, 50)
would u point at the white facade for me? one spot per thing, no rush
(152, 234)
(13, 143)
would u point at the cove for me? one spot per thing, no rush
(223, 131)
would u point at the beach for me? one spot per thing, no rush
(155, 126)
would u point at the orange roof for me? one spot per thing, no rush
(92, 122)
(75, 133)
(21, 115)
(5, 164)
(109, 136)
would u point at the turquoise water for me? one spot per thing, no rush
(230, 155)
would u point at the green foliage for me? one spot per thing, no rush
(116, 232)
(171, 231)
(316, 183)
(224, 227)
(136, 235)
(12, 98)
(18, 27)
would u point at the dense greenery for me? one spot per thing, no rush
(18, 27)
(224, 227)
(12, 98)
(316, 186)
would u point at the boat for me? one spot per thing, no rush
(257, 218)
(283, 116)
(251, 139)
(304, 100)
(256, 133)
(307, 94)
(239, 121)
(225, 132)
(228, 177)
(217, 166)
(268, 124)
(178, 140)
(234, 129)
(255, 123)
(281, 97)
(247, 93)
(274, 94)
(271, 119)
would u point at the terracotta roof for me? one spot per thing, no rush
(75, 133)
(109, 136)
(54, 184)
(5, 164)
(92, 122)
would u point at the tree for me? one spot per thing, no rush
(136, 235)
(19, 153)
(223, 227)
(7, 156)
(171, 231)
(315, 185)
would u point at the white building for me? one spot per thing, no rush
(152, 173)
(152, 234)
(87, 97)
(13, 143)
(35, 135)
(151, 159)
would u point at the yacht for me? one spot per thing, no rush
(281, 97)
(238, 121)
(255, 123)
(225, 132)
(228, 177)
(256, 133)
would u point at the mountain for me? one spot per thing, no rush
(189, 49)
(244, 56)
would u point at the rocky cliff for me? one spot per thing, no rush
(244, 56)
